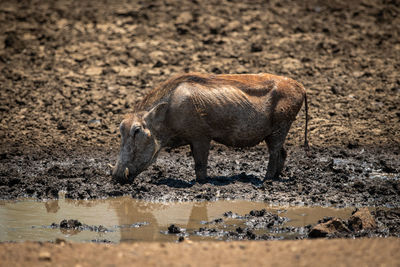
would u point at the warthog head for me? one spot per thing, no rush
(139, 146)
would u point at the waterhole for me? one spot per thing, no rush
(125, 219)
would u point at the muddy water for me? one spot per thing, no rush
(128, 220)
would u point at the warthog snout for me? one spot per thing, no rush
(121, 173)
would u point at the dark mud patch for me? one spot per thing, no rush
(71, 226)
(256, 220)
(362, 223)
(173, 229)
(263, 225)
(327, 177)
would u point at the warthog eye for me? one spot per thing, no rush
(134, 131)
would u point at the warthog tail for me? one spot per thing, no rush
(306, 126)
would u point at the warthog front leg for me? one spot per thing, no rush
(200, 150)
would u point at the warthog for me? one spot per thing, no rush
(193, 109)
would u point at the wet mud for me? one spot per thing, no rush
(328, 177)
(69, 71)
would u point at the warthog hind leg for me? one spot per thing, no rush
(277, 153)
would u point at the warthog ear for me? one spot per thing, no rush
(156, 115)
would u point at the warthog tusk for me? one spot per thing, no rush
(156, 148)
(111, 166)
(126, 173)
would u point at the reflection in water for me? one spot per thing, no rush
(24, 220)
(159, 216)
(129, 213)
(52, 206)
(69, 232)
(198, 213)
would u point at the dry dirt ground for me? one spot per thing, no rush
(70, 70)
(339, 252)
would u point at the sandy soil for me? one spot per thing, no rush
(339, 252)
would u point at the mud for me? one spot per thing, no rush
(69, 71)
(328, 177)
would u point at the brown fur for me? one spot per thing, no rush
(193, 108)
(252, 84)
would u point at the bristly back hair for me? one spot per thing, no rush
(249, 83)
(165, 88)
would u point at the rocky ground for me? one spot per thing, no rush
(70, 70)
